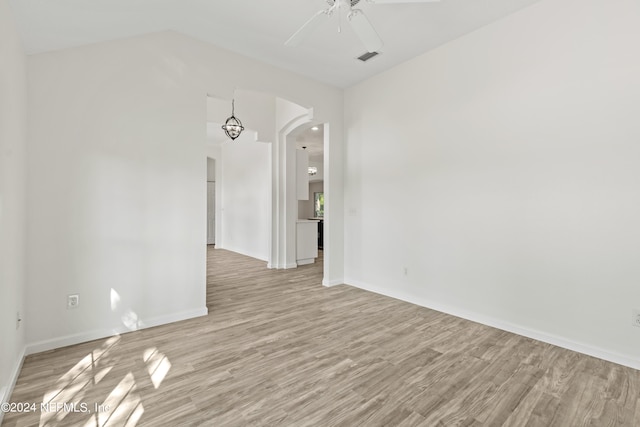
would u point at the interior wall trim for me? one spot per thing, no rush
(7, 390)
(330, 283)
(281, 266)
(57, 342)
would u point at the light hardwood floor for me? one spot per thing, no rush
(279, 349)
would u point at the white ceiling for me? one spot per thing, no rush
(258, 28)
(313, 140)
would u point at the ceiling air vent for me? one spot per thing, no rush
(367, 56)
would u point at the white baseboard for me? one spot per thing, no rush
(251, 254)
(548, 338)
(67, 340)
(7, 390)
(330, 283)
(282, 266)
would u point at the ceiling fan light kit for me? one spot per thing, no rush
(356, 18)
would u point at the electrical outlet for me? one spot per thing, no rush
(73, 301)
(635, 321)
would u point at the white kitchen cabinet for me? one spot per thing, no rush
(306, 241)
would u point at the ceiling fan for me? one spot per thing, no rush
(356, 17)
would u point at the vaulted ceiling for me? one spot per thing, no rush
(259, 28)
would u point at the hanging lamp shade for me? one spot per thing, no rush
(233, 126)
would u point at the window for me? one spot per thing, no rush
(318, 206)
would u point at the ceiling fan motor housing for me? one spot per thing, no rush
(356, 18)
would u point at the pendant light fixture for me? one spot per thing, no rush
(233, 126)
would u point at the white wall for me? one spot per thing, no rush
(13, 139)
(510, 192)
(117, 195)
(246, 197)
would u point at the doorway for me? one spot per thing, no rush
(230, 227)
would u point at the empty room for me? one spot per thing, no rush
(319, 213)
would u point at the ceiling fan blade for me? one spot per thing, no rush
(306, 30)
(365, 31)
(403, 1)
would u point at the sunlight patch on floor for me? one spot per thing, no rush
(124, 403)
(158, 365)
(71, 387)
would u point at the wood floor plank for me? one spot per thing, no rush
(279, 349)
